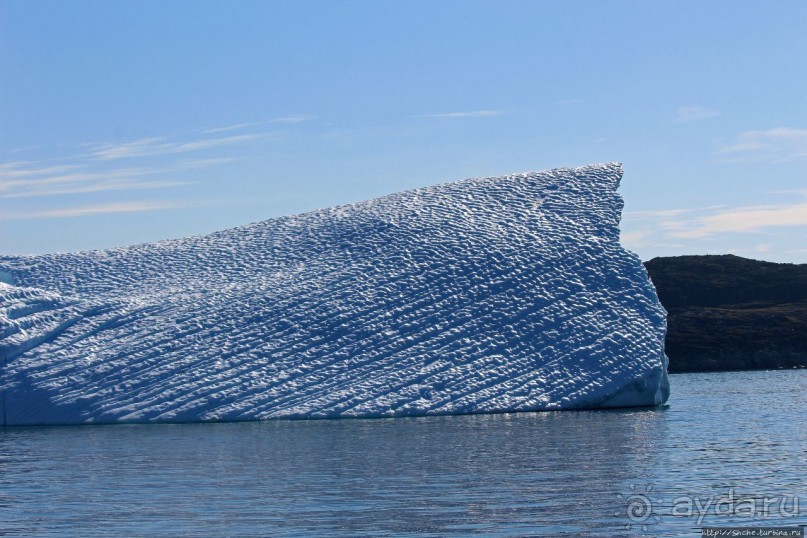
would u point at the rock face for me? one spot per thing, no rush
(732, 313)
(484, 295)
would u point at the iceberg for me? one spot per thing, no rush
(486, 295)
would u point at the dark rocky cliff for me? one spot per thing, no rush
(732, 313)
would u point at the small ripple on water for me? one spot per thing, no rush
(534, 473)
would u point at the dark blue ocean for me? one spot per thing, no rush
(725, 445)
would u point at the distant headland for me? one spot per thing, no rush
(731, 313)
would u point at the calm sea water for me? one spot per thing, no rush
(734, 439)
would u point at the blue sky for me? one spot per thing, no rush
(133, 121)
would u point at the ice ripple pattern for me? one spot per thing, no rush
(485, 295)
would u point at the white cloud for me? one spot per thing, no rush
(102, 186)
(95, 168)
(801, 192)
(565, 102)
(37, 177)
(664, 214)
(291, 119)
(237, 126)
(121, 207)
(22, 149)
(712, 229)
(30, 179)
(149, 147)
(17, 170)
(656, 213)
(468, 114)
(687, 114)
(646, 237)
(744, 219)
(206, 162)
(635, 238)
(781, 143)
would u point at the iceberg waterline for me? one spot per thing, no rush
(485, 295)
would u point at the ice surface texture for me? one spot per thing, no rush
(485, 295)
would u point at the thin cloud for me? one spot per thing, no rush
(657, 213)
(22, 149)
(18, 170)
(802, 192)
(247, 125)
(206, 162)
(744, 219)
(688, 114)
(779, 144)
(711, 225)
(28, 179)
(94, 168)
(645, 237)
(149, 147)
(566, 102)
(664, 214)
(636, 238)
(31, 179)
(121, 207)
(97, 187)
(235, 127)
(468, 114)
(292, 119)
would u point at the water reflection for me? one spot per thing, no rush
(533, 473)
